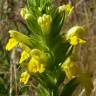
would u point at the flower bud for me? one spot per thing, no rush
(65, 8)
(25, 13)
(45, 22)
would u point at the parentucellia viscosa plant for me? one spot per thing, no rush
(47, 53)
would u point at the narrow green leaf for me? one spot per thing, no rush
(70, 87)
(58, 20)
(42, 91)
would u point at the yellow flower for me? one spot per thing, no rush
(24, 77)
(70, 68)
(24, 56)
(35, 65)
(74, 40)
(31, 67)
(75, 31)
(75, 35)
(11, 44)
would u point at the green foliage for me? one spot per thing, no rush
(4, 67)
(70, 87)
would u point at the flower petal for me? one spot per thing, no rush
(11, 44)
(24, 56)
(24, 77)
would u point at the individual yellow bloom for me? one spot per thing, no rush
(24, 56)
(75, 34)
(24, 77)
(68, 73)
(11, 44)
(75, 31)
(70, 69)
(32, 66)
(35, 65)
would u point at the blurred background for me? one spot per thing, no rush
(84, 14)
